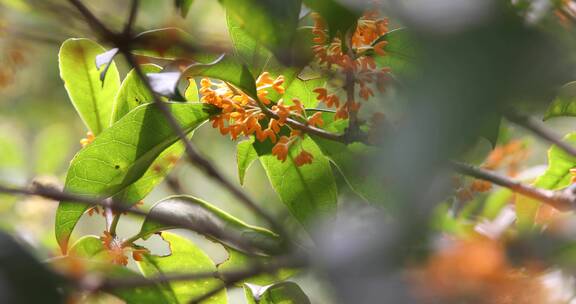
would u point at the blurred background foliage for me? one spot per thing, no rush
(473, 61)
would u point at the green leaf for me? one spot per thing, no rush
(133, 92)
(252, 53)
(400, 52)
(338, 17)
(238, 260)
(272, 23)
(183, 6)
(87, 246)
(206, 219)
(191, 94)
(185, 257)
(245, 156)
(303, 90)
(309, 192)
(565, 102)
(226, 69)
(120, 156)
(167, 43)
(153, 176)
(281, 293)
(91, 97)
(557, 176)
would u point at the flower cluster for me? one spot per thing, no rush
(358, 60)
(242, 115)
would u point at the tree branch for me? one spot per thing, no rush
(541, 131)
(563, 200)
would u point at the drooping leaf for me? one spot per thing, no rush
(120, 156)
(190, 212)
(167, 43)
(565, 102)
(92, 98)
(183, 6)
(184, 257)
(338, 17)
(133, 92)
(400, 52)
(280, 293)
(557, 176)
(245, 156)
(238, 260)
(309, 192)
(271, 23)
(226, 69)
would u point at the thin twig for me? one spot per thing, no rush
(131, 18)
(541, 131)
(563, 200)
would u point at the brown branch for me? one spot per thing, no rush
(353, 129)
(227, 276)
(541, 131)
(118, 207)
(563, 200)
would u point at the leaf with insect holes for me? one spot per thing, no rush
(133, 92)
(92, 98)
(206, 219)
(120, 156)
(280, 293)
(309, 192)
(184, 257)
(557, 176)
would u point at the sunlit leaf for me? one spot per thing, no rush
(400, 52)
(184, 257)
(133, 92)
(309, 192)
(271, 23)
(564, 104)
(557, 176)
(253, 54)
(120, 156)
(208, 220)
(280, 293)
(245, 156)
(191, 93)
(92, 98)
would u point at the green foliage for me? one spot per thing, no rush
(557, 176)
(166, 43)
(281, 293)
(401, 54)
(120, 156)
(133, 92)
(271, 23)
(340, 19)
(245, 156)
(187, 211)
(309, 191)
(92, 98)
(564, 104)
(238, 260)
(184, 257)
